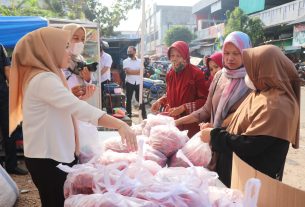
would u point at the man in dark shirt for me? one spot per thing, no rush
(9, 143)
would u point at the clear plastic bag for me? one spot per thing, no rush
(138, 128)
(111, 180)
(115, 144)
(110, 157)
(167, 139)
(89, 141)
(193, 175)
(79, 180)
(106, 200)
(198, 152)
(155, 120)
(170, 194)
(155, 155)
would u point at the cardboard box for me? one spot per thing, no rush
(272, 193)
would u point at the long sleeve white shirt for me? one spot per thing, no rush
(48, 107)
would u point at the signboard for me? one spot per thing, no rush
(254, 6)
(216, 6)
(298, 35)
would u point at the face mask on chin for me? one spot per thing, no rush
(179, 68)
(77, 48)
(249, 83)
(130, 55)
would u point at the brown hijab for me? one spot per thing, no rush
(274, 109)
(39, 51)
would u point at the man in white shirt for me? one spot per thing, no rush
(132, 66)
(105, 66)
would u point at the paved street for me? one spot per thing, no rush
(294, 173)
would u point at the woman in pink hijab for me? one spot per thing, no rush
(227, 91)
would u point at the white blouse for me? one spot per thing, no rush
(48, 130)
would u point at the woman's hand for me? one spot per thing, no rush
(155, 107)
(205, 125)
(205, 135)
(83, 92)
(89, 91)
(78, 90)
(128, 137)
(176, 111)
(85, 74)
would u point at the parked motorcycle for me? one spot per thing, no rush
(153, 90)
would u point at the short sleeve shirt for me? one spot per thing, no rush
(105, 61)
(132, 65)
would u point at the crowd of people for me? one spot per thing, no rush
(233, 104)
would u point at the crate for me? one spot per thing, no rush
(114, 101)
(109, 88)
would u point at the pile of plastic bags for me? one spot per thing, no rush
(116, 177)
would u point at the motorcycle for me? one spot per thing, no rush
(153, 90)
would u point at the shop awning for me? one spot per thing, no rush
(12, 28)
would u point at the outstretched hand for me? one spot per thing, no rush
(205, 135)
(128, 137)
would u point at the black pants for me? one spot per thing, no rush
(130, 88)
(48, 179)
(8, 143)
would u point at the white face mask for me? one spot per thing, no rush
(77, 48)
(249, 83)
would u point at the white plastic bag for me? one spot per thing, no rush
(89, 141)
(155, 120)
(252, 188)
(167, 139)
(106, 200)
(111, 198)
(155, 155)
(198, 152)
(9, 191)
(115, 144)
(79, 179)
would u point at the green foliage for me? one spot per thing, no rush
(25, 8)
(237, 20)
(93, 10)
(109, 17)
(178, 33)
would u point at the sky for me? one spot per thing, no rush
(133, 21)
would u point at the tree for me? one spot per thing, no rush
(177, 33)
(25, 8)
(93, 10)
(109, 17)
(237, 20)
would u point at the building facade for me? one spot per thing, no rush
(283, 21)
(159, 18)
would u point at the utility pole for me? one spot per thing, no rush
(143, 34)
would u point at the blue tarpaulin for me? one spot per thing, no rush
(12, 28)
